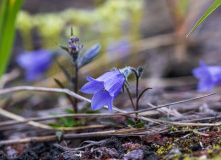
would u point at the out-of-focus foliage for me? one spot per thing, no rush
(106, 20)
(216, 4)
(8, 13)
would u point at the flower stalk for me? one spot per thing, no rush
(137, 85)
(75, 107)
(74, 49)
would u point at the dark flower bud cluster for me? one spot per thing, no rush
(73, 44)
(74, 47)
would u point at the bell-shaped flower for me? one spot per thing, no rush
(105, 89)
(209, 76)
(35, 63)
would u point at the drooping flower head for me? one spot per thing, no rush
(35, 63)
(209, 76)
(105, 89)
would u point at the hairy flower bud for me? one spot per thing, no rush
(126, 71)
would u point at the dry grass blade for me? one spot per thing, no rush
(122, 112)
(120, 132)
(39, 125)
(69, 92)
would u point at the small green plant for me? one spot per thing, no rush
(79, 60)
(67, 122)
(139, 123)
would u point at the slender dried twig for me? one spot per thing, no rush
(20, 120)
(12, 122)
(67, 91)
(120, 132)
(123, 112)
(75, 128)
(56, 90)
(42, 89)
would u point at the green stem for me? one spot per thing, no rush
(76, 89)
(137, 84)
(128, 91)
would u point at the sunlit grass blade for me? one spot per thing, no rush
(8, 12)
(216, 4)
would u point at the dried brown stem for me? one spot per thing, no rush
(121, 132)
(67, 91)
(15, 89)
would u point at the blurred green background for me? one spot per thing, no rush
(131, 32)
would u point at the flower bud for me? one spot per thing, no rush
(140, 71)
(126, 71)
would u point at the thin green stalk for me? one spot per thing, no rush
(128, 91)
(137, 84)
(76, 88)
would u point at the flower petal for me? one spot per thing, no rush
(100, 99)
(205, 86)
(110, 105)
(31, 76)
(114, 84)
(200, 72)
(107, 76)
(116, 88)
(92, 86)
(215, 74)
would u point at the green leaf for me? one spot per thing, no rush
(130, 122)
(67, 75)
(55, 125)
(8, 14)
(63, 47)
(91, 111)
(69, 111)
(78, 123)
(68, 122)
(90, 55)
(140, 95)
(140, 125)
(216, 4)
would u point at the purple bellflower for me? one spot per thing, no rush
(105, 89)
(209, 76)
(35, 63)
